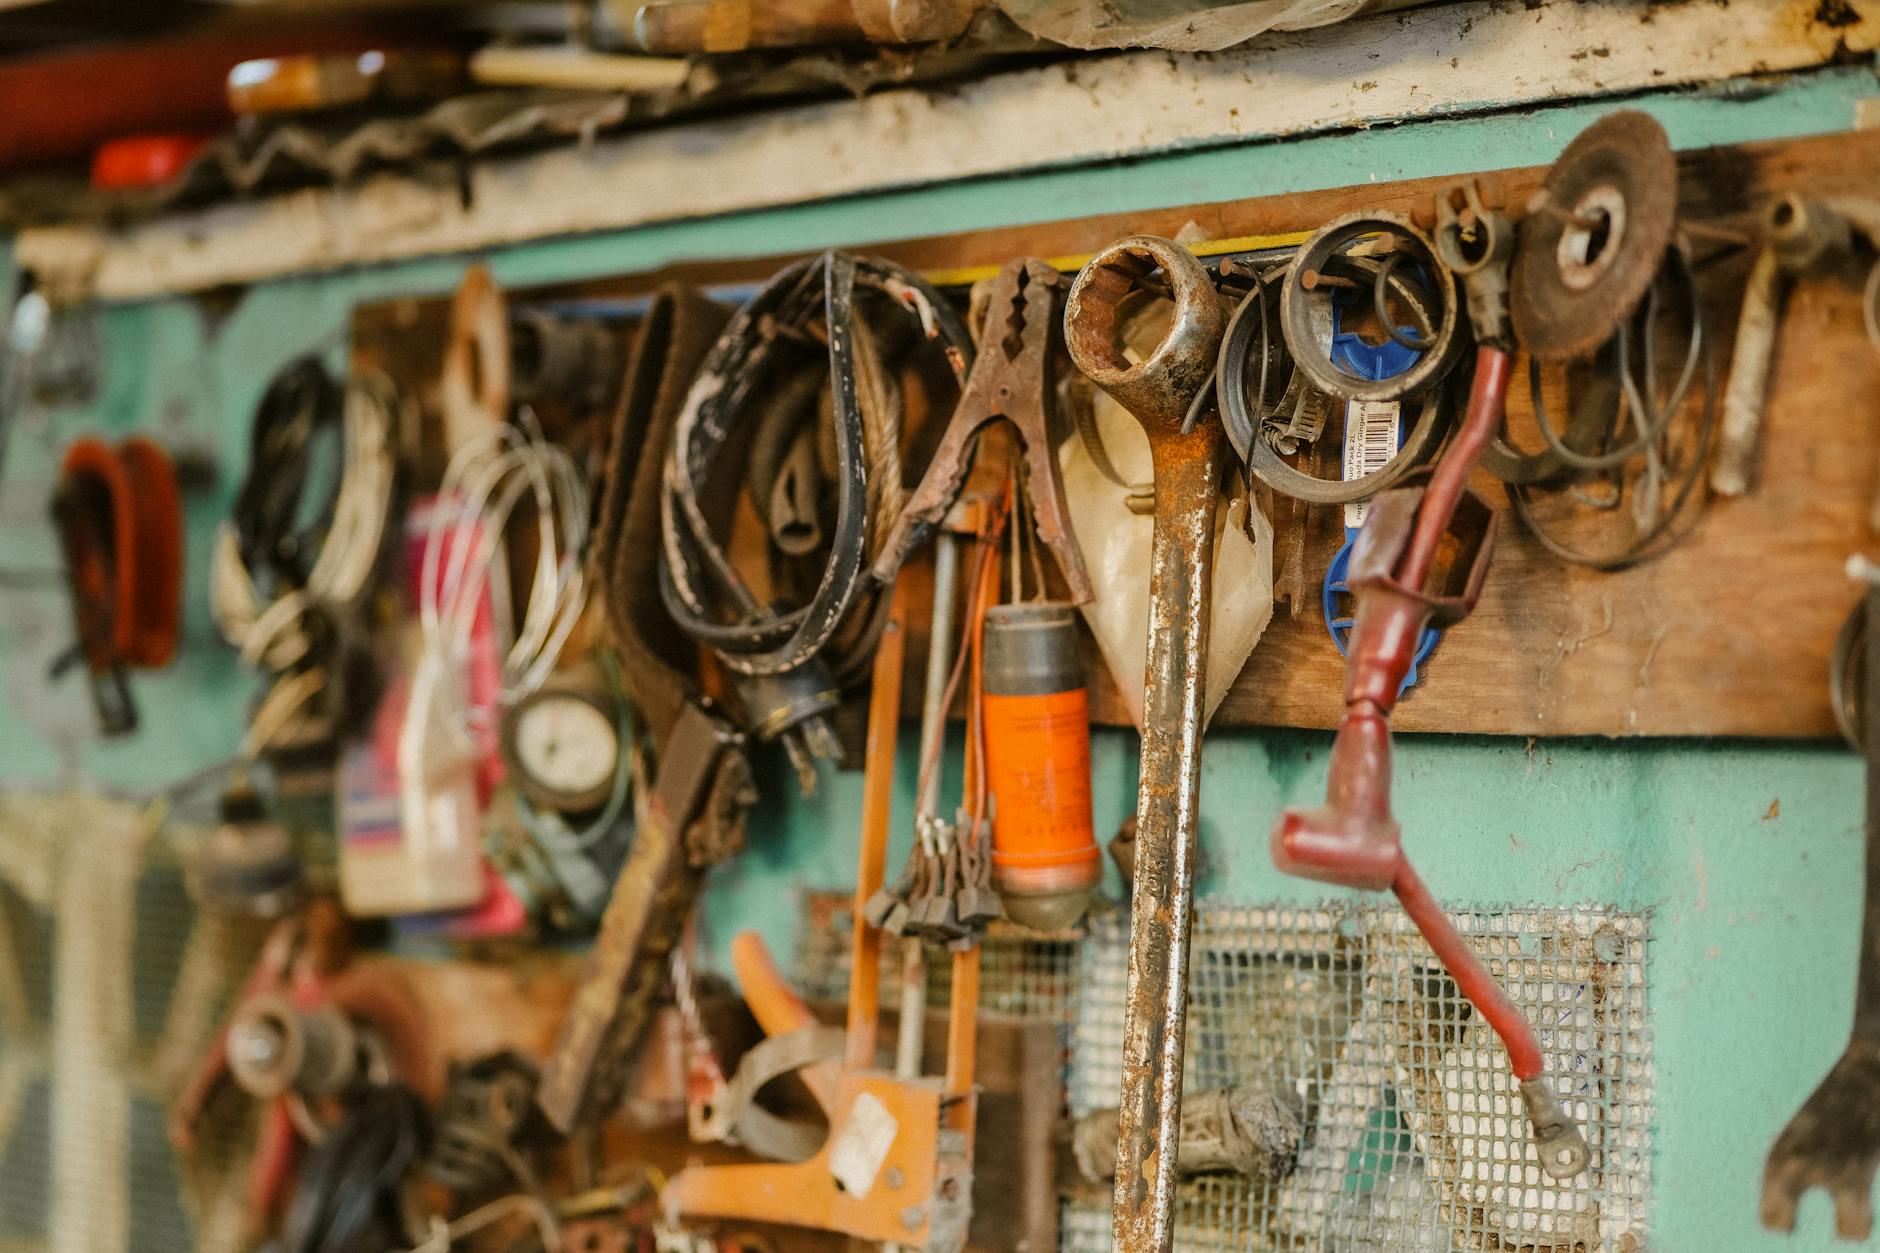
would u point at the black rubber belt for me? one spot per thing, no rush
(697, 579)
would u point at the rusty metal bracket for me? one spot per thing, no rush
(1159, 392)
(897, 1164)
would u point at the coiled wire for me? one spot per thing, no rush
(281, 610)
(1659, 504)
(483, 484)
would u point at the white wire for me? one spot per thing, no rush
(444, 1237)
(274, 636)
(483, 484)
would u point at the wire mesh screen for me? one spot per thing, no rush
(111, 986)
(1416, 1138)
(1415, 1141)
(1023, 974)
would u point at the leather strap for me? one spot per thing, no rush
(119, 517)
(658, 661)
(703, 591)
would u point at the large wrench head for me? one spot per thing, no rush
(1158, 389)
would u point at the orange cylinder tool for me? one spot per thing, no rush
(1044, 850)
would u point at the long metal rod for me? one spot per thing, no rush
(946, 582)
(884, 718)
(911, 1038)
(908, 1057)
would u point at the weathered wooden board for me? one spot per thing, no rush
(1440, 60)
(1729, 634)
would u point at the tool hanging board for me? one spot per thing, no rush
(1728, 634)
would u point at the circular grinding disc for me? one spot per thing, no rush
(1572, 286)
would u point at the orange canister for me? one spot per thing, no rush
(1037, 719)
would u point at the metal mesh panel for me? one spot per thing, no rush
(1416, 1140)
(1416, 1137)
(1023, 974)
(111, 986)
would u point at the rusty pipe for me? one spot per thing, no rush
(1158, 391)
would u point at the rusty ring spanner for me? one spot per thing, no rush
(1158, 391)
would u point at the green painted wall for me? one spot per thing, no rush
(1754, 903)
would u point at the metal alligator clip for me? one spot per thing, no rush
(1012, 378)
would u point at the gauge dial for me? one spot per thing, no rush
(565, 750)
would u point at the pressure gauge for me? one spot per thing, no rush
(562, 741)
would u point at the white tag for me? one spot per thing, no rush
(863, 1145)
(1370, 441)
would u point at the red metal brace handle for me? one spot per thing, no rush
(1353, 839)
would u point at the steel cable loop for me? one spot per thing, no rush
(703, 591)
(1650, 422)
(1244, 420)
(1647, 416)
(1598, 407)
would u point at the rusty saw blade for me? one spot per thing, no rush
(1594, 237)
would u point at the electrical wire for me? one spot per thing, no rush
(483, 485)
(279, 619)
(464, 576)
(445, 1236)
(1648, 417)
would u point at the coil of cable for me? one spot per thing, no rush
(289, 572)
